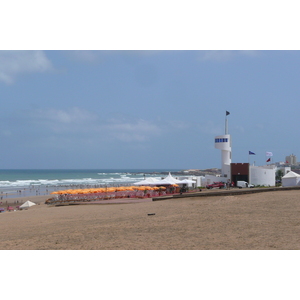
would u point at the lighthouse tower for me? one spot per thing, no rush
(223, 142)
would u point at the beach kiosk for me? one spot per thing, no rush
(291, 179)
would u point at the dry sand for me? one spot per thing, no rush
(269, 220)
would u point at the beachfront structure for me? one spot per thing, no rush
(291, 159)
(223, 142)
(233, 172)
(256, 175)
(263, 175)
(291, 179)
(284, 170)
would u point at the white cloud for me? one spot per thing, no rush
(178, 125)
(13, 63)
(209, 127)
(72, 120)
(127, 131)
(76, 120)
(73, 115)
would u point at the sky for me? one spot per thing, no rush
(146, 86)
(146, 109)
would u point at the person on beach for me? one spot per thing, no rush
(228, 185)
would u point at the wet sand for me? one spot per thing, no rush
(269, 220)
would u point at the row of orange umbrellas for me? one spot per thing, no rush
(109, 190)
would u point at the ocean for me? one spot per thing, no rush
(21, 183)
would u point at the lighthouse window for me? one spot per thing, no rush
(221, 140)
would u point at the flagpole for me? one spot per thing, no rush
(226, 122)
(266, 158)
(250, 153)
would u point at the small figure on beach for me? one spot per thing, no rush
(228, 184)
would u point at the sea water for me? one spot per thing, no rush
(21, 183)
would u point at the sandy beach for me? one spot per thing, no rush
(269, 220)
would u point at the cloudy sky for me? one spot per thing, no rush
(146, 90)
(146, 109)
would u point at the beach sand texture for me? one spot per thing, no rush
(269, 220)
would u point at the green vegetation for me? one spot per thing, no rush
(279, 175)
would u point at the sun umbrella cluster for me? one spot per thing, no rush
(108, 190)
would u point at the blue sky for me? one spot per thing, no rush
(159, 106)
(146, 109)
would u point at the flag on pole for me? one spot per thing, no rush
(269, 154)
(251, 153)
(227, 113)
(269, 159)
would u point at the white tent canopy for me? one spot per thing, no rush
(27, 204)
(291, 174)
(169, 180)
(148, 181)
(172, 179)
(291, 179)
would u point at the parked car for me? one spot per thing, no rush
(244, 184)
(219, 185)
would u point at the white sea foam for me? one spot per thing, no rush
(104, 179)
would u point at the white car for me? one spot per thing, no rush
(244, 184)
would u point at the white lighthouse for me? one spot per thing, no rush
(223, 142)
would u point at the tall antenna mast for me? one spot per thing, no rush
(226, 122)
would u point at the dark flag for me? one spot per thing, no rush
(227, 113)
(251, 153)
(269, 159)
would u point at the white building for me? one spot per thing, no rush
(264, 175)
(291, 159)
(284, 170)
(223, 142)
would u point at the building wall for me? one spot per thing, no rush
(239, 171)
(285, 170)
(291, 159)
(290, 182)
(262, 175)
(223, 142)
